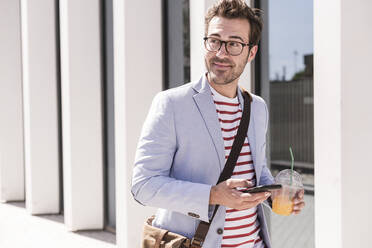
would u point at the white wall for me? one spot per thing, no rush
(138, 77)
(343, 120)
(40, 88)
(82, 121)
(11, 119)
(356, 122)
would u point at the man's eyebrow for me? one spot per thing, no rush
(236, 37)
(231, 37)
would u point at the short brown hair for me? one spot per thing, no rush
(237, 9)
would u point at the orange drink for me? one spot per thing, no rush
(282, 205)
(282, 199)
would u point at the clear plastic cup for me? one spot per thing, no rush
(283, 198)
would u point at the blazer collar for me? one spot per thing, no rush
(202, 85)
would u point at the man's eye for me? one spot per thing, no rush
(233, 44)
(214, 41)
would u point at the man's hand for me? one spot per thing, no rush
(226, 194)
(298, 202)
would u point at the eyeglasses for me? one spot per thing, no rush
(233, 48)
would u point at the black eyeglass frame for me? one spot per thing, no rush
(250, 45)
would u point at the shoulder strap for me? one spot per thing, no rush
(203, 227)
(238, 141)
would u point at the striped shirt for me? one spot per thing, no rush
(242, 227)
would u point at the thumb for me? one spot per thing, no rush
(234, 183)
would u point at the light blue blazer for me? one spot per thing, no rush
(180, 155)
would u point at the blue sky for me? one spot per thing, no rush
(290, 30)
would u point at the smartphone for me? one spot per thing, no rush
(263, 188)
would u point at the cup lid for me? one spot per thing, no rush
(284, 177)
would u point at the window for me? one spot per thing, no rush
(284, 78)
(109, 122)
(176, 42)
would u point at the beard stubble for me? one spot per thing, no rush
(234, 73)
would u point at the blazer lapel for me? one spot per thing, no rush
(204, 101)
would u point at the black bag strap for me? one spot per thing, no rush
(203, 227)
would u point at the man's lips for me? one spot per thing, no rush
(222, 66)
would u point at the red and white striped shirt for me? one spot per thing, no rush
(242, 227)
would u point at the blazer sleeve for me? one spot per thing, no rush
(266, 177)
(151, 182)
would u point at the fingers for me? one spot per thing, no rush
(299, 198)
(299, 204)
(237, 194)
(235, 183)
(255, 196)
(296, 212)
(247, 200)
(227, 193)
(298, 208)
(300, 194)
(251, 203)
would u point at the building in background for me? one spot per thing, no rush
(77, 79)
(292, 121)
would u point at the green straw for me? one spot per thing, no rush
(292, 162)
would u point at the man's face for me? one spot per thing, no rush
(222, 67)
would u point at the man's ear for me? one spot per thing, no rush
(252, 53)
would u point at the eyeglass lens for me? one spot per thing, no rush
(232, 47)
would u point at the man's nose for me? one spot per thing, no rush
(222, 52)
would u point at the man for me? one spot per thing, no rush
(188, 135)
